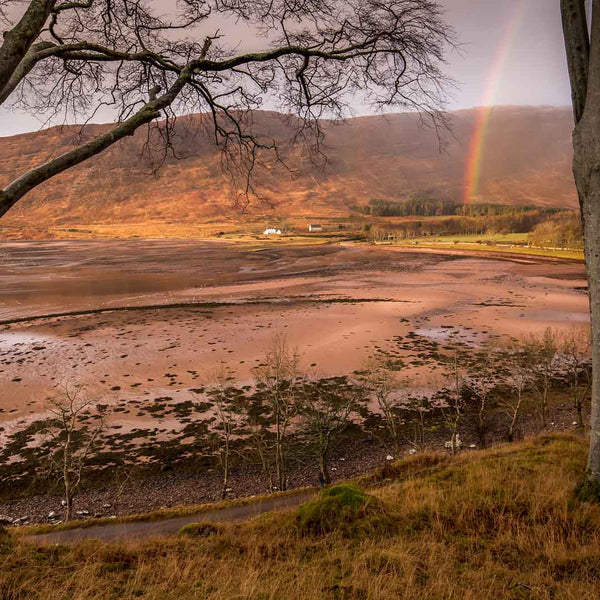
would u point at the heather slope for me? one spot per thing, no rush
(525, 160)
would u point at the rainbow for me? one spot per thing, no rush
(482, 119)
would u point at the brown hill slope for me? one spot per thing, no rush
(526, 160)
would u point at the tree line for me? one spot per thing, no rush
(563, 230)
(432, 207)
(517, 222)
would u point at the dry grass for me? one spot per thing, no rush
(495, 524)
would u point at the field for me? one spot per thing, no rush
(501, 523)
(504, 244)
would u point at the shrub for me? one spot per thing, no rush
(588, 491)
(345, 509)
(203, 529)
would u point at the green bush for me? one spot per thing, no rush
(588, 491)
(345, 509)
(203, 529)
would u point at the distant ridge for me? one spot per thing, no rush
(526, 160)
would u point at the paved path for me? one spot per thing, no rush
(146, 529)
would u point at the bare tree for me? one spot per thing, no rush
(519, 380)
(77, 58)
(228, 420)
(258, 433)
(583, 58)
(481, 381)
(417, 407)
(327, 405)
(543, 354)
(122, 480)
(575, 355)
(71, 439)
(454, 408)
(278, 387)
(381, 380)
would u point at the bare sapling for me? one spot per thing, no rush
(123, 478)
(278, 382)
(228, 419)
(519, 382)
(260, 443)
(481, 382)
(543, 353)
(575, 360)
(72, 439)
(454, 408)
(380, 379)
(418, 406)
(326, 411)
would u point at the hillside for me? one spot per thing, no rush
(499, 523)
(526, 160)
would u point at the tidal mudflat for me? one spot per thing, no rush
(146, 319)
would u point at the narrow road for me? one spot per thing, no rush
(146, 529)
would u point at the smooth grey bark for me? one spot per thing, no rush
(583, 57)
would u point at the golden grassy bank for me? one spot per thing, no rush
(495, 524)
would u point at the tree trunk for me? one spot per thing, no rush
(584, 74)
(225, 464)
(580, 419)
(514, 417)
(323, 468)
(17, 41)
(68, 505)
(545, 393)
(481, 423)
(587, 177)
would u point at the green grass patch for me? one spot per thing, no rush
(345, 509)
(203, 529)
(504, 249)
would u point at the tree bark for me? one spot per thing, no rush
(323, 468)
(150, 111)
(586, 169)
(19, 39)
(584, 72)
(578, 51)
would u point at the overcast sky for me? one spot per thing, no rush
(512, 53)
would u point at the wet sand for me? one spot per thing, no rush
(192, 305)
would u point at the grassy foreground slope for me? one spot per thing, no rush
(501, 523)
